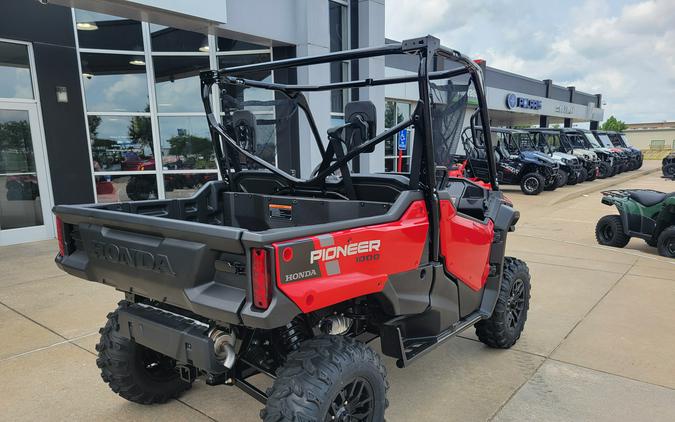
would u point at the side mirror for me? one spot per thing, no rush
(244, 128)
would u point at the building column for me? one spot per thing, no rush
(543, 121)
(594, 125)
(571, 89)
(371, 33)
(598, 103)
(313, 37)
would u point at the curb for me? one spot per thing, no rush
(605, 183)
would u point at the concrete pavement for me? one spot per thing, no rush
(597, 345)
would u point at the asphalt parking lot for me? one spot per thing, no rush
(598, 344)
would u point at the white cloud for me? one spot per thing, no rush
(624, 50)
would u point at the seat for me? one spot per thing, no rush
(647, 197)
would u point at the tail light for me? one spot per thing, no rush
(261, 278)
(59, 236)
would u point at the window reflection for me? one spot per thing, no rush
(183, 185)
(137, 187)
(121, 143)
(228, 44)
(186, 143)
(15, 79)
(115, 82)
(177, 83)
(96, 30)
(172, 39)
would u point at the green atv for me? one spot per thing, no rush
(643, 213)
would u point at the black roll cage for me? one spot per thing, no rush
(426, 48)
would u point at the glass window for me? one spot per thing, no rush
(337, 21)
(19, 193)
(115, 82)
(177, 83)
(183, 185)
(235, 95)
(15, 79)
(228, 44)
(172, 39)
(137, 187)
(96, 30)
(121, 143)
(339, 97)
(186, 143)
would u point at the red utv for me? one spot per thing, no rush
(268, 273)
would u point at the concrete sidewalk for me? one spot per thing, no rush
(598, 343)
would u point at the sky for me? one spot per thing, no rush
(622, 49)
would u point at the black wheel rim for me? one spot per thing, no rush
(531, 184)
(515, 304)
(354, 403)
(670, 171)
(670, 246)
(157, 366)
(607, 233)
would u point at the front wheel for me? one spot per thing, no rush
(507, 322)
(666, 243)
(669, 170)
(532, 184)
(604, 171)
(609, 232)
(133, 371)
(583, 175)
(562, 178)
(329, 378)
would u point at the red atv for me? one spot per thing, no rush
(267, 273)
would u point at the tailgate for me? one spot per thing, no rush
(195, 266)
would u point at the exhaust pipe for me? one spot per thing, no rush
(223, 346)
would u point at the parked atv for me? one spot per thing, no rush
(570, 167)
(271, 274)
(530, 169)
(623, 155)
(668, 166)
(643, 213)
(584, 139)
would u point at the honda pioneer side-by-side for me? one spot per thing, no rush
(268, 273)
(517, 162)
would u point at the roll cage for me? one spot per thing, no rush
(423, 164)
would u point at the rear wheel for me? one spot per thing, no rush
(133, 371)
(329, 378)
(666, 243)
(507, 322)
(609, 232)
(572, 178)
(532, 184)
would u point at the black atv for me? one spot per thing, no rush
(517, 162)
(668, 166)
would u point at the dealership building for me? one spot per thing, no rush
(99, 99)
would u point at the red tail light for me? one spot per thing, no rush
(59, 236)
(262, 280)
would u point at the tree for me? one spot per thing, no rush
(614, 125)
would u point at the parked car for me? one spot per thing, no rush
(559, 142)
(583, 138)
(570, 166)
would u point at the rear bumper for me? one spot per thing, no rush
(183, 339)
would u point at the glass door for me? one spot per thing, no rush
(25, 203)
